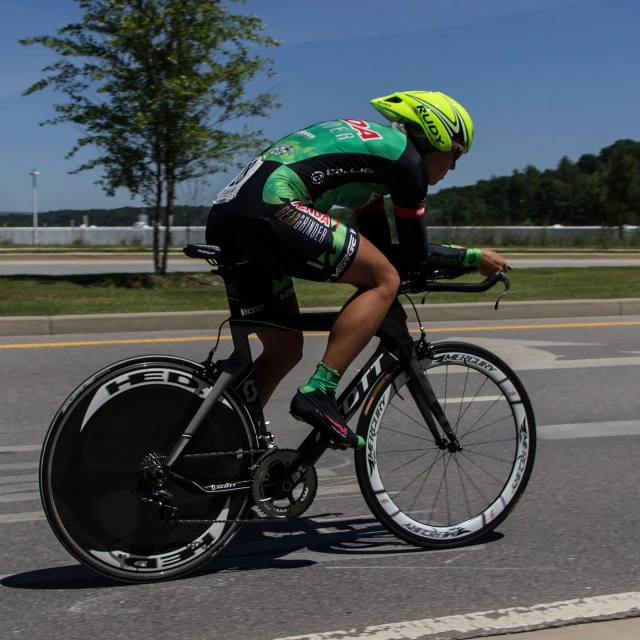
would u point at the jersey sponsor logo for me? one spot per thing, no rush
(317, 177)
(322, 217)
(337, 128)
(279, 150)
(305, 220)
(306, 134)
(253, 310)
(363, 129)
(352, 171)
(351, 249)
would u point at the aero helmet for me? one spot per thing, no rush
(445, 123)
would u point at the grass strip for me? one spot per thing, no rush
(140, 293)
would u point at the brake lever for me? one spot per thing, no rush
(507, 285)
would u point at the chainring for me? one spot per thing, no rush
(275, 493)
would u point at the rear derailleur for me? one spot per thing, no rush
(150, 487)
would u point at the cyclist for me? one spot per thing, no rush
(274, 216)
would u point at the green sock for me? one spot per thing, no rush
(325, 378)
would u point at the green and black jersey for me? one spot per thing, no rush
(348, 163)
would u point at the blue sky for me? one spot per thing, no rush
(541, 79)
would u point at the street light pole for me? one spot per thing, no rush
(35, 174)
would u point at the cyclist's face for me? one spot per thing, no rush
(438, 164)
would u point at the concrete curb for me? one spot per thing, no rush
(210, 320)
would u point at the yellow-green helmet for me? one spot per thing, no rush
(441, 119)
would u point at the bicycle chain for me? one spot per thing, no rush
(237, 452)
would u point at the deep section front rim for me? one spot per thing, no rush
(431, 496)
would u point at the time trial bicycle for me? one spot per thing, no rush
(151, 465)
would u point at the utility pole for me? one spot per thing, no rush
(35, 175)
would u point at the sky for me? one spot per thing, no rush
(542, 79)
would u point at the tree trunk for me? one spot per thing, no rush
(171, 195)
(157, 264)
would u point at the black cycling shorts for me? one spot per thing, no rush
(291, 240)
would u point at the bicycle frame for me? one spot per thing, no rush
(396, 348)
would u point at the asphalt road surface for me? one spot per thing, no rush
(61, 266)
(574, 534)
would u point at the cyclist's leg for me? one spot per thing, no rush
(318, 248)
(282, 350)
(377, 282)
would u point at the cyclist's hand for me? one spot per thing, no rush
(492, 262)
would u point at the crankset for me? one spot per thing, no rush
(284, 488)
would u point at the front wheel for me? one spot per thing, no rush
(433, 497)
(91, 467)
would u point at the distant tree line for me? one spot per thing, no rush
(122, 217)
(600, 190)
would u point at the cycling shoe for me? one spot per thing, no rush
(320, 410)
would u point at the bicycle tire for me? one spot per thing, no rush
(92, 453)
(480, 485)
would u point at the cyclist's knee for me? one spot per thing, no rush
(391, 280)
(385, 279)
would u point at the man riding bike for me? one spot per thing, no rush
(273, 219)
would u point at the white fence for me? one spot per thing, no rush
(472, 236)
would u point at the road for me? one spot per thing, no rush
(59, 265)
(574, 535)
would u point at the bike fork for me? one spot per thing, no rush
(425, 398)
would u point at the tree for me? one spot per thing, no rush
(155, 84)
(620, 188)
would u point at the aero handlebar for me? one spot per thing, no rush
(466, 287)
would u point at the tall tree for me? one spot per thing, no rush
(154, 85)
(621, 187)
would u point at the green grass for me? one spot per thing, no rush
(136, 293)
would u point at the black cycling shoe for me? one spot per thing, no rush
(320, 410)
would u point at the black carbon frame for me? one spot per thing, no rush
(396, 348)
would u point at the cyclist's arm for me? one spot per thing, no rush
(374, 226)
(414, 247)
(407, 181)
(413, 237)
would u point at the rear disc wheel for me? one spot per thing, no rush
(91, 461)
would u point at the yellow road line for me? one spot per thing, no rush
(93, 343)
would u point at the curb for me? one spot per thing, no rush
(210, 320)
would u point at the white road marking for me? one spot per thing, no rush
(21, 447)
(15, 479)
(530, 355)
(484, 622)
(589, 430)
(378, 567)
(20, 497)
(18, 466)
(26, 516)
